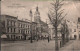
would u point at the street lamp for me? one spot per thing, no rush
(31, 26)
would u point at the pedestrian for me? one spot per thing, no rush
(48, 39)
(60, 44)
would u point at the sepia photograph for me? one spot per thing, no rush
(40, 25)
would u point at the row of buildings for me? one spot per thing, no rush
(16, 29)
(74, 28)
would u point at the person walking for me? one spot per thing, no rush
(48, 39)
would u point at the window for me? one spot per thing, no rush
(19, 31)
(8, 29)
(26, 31)
(14, 30)
(21, 25)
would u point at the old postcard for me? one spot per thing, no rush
(40, 25)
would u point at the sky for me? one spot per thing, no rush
(21, 9)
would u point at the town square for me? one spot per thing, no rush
(51, 25)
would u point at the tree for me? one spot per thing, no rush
(56, 16)
(64, 32)
(67, 33)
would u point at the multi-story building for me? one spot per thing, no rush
(16, 29)
(73, 31)
(23, 28)
(10, 26)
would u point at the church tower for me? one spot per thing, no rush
(37, 15)
(37, 19)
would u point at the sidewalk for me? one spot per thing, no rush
(71, 46)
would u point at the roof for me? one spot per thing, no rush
(23, 21)
(43, 23)
(10, 16)
(26, 21)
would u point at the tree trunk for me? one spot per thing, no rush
(56, 40)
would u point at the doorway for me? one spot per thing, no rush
(75, 37)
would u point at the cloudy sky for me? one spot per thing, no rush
(21, 9)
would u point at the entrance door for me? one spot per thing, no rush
(75, 36)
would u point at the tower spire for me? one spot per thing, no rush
(37, 15)
(37, 8)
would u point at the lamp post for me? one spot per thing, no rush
(31, 26)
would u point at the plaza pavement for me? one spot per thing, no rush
(41, 45)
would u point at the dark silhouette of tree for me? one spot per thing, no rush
(56, 16)
(64, 32)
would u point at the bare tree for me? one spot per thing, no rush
(64, 32)
(56, 16)
(64, 29)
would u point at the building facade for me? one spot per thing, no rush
(78, 26)
(10, 26)
(16, 29)
(73, 29)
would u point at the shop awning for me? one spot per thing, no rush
(3, 36)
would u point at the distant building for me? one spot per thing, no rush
(42, 27)
(24, 28)
(73, 30)
(78, 26)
